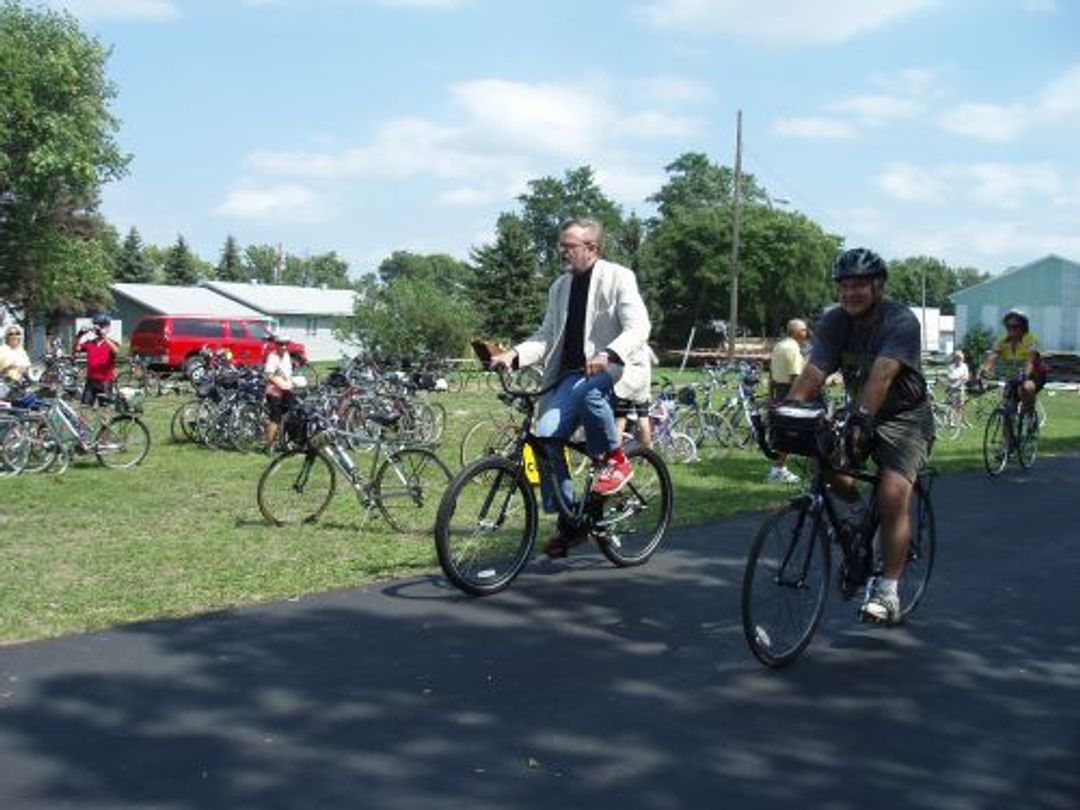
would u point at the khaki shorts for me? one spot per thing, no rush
(903, 443)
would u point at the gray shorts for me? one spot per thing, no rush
(903, 443)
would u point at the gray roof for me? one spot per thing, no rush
(279, 299)
(167, 299)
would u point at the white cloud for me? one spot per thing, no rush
(505, 133)
(911, 184)
(437, 5)
(914, 82)
(1039, 6)
(993, 185)
(152, 10)
(815, 127)
(284, 202)
(1056, 103)
(1061, 99)
(656, 124)
(799, 22)
(988, 122)
(875, 110)
(548, 118)
(675, 90)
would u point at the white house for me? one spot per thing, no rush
(308, 314)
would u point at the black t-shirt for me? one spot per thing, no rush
(573, 351)
(894, 333)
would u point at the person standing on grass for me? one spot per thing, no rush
(785, 365)
(279, 387)
(101, 351)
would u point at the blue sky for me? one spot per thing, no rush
(939, 127)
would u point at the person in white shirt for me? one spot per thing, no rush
(785, 365)
(14, 361)
(279, 385)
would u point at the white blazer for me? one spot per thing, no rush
(615, 319)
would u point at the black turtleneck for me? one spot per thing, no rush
(573, 352)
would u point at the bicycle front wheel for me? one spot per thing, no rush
(785, 584)
(122, 442)
(486, 526)
(296, 487)
(1027, 439)
(995, 443)
(635, 519)
(920, 556)
(408, 487)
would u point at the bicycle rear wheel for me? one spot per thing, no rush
(486, 526)
(920, 557)
(635, 519)
(122, 442)
(296, 487)
(487, 438)
(785, 584)
(1027, 439)
(408, 487)
(995, 443)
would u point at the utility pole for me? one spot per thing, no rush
(733, 319)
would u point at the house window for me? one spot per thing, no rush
(312, 326)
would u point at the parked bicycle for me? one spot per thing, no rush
(53, 432)
(1011, 431)
(403, 483)
(488, 518)
(786, 580)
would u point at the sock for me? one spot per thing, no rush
(886, 586)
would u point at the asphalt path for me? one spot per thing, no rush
(586, 686)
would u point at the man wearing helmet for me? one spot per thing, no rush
(279, 387)
(1017, 357)
(875, 343)
(101, 351)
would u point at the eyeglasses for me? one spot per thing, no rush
(574, 245)
(1014, 325)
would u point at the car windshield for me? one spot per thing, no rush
(258, 330)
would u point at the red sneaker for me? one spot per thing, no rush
(613, 477)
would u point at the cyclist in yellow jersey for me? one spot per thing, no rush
(1016, 354)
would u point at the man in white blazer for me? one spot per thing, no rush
(596, 328)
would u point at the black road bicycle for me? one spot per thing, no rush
(786, 581)
(1011, 431)
(487, 522)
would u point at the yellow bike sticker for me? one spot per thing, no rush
(532, 474)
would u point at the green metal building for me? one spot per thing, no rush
(1048, 290)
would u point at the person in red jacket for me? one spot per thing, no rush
(101, 351)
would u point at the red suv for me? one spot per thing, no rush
(174, 341)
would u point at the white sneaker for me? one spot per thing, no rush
(879, 607)
(781, 475)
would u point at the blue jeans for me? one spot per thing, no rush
(578, 400)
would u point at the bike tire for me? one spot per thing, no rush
(14, 449)
(921, 549)
(634, 520)
(995, 443)
(45, 448)
(1027, 440)
(296, 487)
(123, 442)
(487, 438)
(486, 526)
(408, 488)
(677, 447)
(785, 584)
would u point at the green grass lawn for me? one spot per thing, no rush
(182, 534)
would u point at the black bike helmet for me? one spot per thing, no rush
(1017, 313)
(101, 319)
(859, 263)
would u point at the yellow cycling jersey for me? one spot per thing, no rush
(1011, 359)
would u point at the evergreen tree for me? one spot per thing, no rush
(506, 286)
(181, 265)
(231, 265)
(132, 266)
